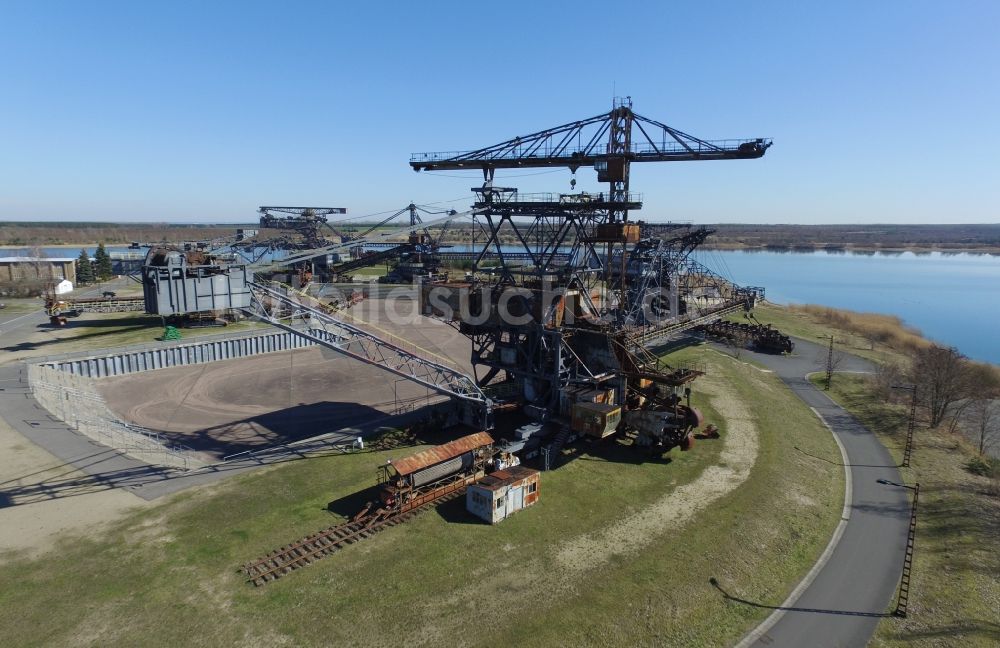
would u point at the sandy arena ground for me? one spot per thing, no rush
(220, 408)
(227, 407)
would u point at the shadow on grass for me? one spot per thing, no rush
(348, 505)
(31, 346)
(726, 595)
(618, 450)
(974, 627)
(454, 512)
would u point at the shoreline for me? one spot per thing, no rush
(856, 336)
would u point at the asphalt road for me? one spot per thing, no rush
(853, 591)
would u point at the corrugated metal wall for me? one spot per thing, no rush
(133, 361)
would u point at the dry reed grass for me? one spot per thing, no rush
(888, 330)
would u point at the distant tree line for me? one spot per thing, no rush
(835, 237)
(984, 237)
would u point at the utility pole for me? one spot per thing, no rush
(829, 362)
(911, 424)
(903, 598)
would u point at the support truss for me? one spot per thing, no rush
(596, 139)
(301, 315)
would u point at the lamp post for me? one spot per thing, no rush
(829, 362)
(904, 581)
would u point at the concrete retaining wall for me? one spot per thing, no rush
(149, 357)
(74, 400)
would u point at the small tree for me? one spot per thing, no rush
(103, 262)
(42, 267)
(84, 269)
(887, 375)
(943, 379)
(983, 419)
(982, 382)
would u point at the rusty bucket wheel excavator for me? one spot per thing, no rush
(589, 288)
(565, 298)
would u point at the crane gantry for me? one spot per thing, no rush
(609, 142)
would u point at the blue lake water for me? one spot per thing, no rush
(953, 299)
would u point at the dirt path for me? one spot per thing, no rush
(41, 499)
(538, 577)
(739, 452)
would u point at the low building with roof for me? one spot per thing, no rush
(499, 495)
(27, 268)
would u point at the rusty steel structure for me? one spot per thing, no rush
(318, 545)
(307, 222)
(408, 486)
(565, 295)
(591, 288)
(760, 337)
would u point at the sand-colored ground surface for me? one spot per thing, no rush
(576, 563)
(222, 408)
(42, 498)
(739, 452)
(218, 407)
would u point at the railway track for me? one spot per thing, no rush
(323, 543)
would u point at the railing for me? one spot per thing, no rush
(561, 198)
(530, 150)
(72, 399)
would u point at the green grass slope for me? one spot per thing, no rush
(169, 575)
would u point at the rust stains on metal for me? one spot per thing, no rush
(512, 476)
(440, 453)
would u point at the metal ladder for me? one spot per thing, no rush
(904, 582)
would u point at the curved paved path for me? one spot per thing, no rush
(852, 591)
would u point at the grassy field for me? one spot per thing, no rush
(955, 587)
(375, 271)
(93, 331)
(168, 575)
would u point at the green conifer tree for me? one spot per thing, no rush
(84, 269)
(103, 259)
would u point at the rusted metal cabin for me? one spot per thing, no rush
(420, 477)
(501, 494)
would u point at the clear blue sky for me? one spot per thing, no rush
(154, 111)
